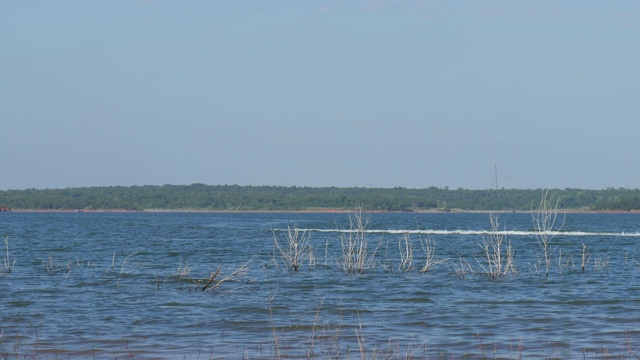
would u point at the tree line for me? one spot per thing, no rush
(263, 198)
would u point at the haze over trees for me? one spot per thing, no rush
(261, 198)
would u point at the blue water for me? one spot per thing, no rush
(106, 285)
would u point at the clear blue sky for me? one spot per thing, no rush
(375, 93)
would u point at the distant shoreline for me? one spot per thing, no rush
(206, 198)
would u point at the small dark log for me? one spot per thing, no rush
(213, 276)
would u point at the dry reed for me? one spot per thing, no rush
(356, 256)
(544, 218)
(296, 250)
(405, 248)
(239, 272)
(183, 270)
(7, 265)
(585, 257)
(429, 248)
(460, 269)
(496, 259)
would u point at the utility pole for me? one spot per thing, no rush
(495, 168)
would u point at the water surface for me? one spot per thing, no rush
(106, 285)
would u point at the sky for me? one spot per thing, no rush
(366, 93)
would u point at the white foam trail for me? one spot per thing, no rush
(476, 232)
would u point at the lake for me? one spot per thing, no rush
(130, 285)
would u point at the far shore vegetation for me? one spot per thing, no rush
(201, 197)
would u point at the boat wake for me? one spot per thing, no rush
(476, 232)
